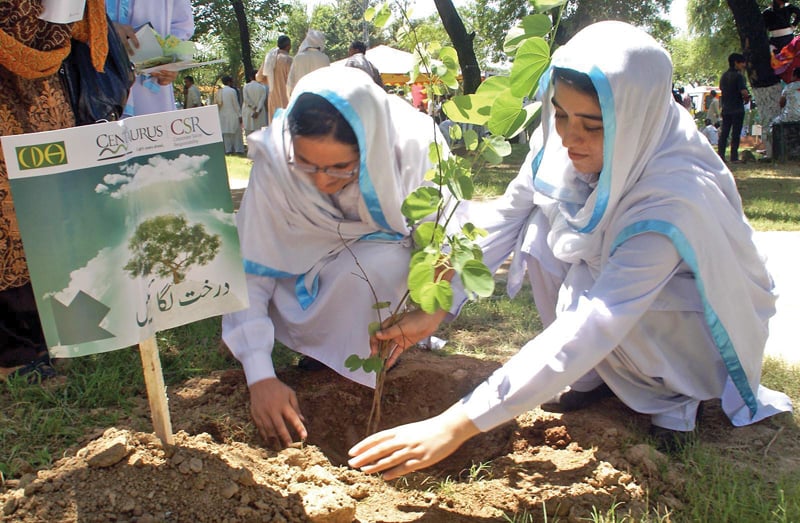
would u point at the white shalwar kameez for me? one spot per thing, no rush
(310, 57)
(304, 286)
(230, 119)
(646, 277)
(169, 17)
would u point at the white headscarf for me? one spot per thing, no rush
(313, 38)
(289, 228)
(659, 175)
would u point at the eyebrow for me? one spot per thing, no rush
(595, 117)
(335, 165)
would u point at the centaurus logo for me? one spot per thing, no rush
(41, 155)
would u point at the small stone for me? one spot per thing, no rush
(607, 475)
(22, 465)
(26, 480)
(10, 506)
(184, 467)
(245, 477)
(196, 465)
(107, 452)
(128, 504)
(199, 483)
(146, 518)
(229, 490)
(32, 488)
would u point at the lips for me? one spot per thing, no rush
(576, 156)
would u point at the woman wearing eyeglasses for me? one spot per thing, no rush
(331, 171)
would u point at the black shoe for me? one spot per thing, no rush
(306, 363)
(671, 441)
(572, 400)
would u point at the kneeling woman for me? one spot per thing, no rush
(332, 170)
(642, 265)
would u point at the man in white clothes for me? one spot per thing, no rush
(254, 111)
(230, 117)
(309, 57)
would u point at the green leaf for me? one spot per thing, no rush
(531, 60)
(373, 364)
(419, 276)
(449, 57)
(423, 202)
(477, 279)
(382, 17)
(435, 152)
(492, 87)
(381, 305)
(472, 232)
(530, 26)
(428, 233)
(369, 14)
(471, 139)
(471, 108)
(353, 362)
(434, 296)
(545, 5)
(373, 327)
(499, 144)
(460, 256)
(455, 132)
(465, 187)
(507, 114)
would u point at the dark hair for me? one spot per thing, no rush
(284, 42)
(796, 72)
(227, 80)
(708, 121)
(358, 46)
(313, 115)
(733, 58)
(190, 78)
(579, 81)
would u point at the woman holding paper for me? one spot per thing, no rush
(329, 176)
(152, 93)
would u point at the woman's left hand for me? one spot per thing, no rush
(411, 447)
(405, 332)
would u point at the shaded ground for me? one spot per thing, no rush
(219, 471)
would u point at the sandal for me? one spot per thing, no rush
(36, 371)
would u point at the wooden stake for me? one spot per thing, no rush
(156, 391)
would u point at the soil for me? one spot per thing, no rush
(549, 467)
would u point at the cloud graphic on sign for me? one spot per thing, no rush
(96, 277)
(228, 218)
(157, 170)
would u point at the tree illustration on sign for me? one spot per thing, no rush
(167, 246)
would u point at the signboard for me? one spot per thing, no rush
(128, 228)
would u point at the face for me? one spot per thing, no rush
(579, 123)
(325, 152)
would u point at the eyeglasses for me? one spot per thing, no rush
(300, 169)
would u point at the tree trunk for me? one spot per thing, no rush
(755, 43)
(244, 34)
(463, 44)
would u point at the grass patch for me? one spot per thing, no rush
(770, 195)
(238, 167)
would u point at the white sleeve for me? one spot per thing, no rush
(250, 334)
(578, 339)
(182, 23)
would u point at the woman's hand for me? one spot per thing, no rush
(405, 332)
(164, 77)
(411, 447)
(273, 406)
(128, 36)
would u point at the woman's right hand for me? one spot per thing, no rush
(274, 408)
(128, 36)
(405, 332)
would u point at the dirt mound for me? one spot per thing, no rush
(218, 470)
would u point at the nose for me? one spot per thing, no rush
(571, 135)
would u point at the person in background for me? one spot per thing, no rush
(790, 100)
(254, 111)
(227, 99)
(780, 19)
(151, 93)
(356, 57)
(329, 177)
(275, 69)
(712, 111)
(32, 99)
(686, 99)
(309, 57)
(191, 94)
(734, 95)
(711, 132)
(642, 264)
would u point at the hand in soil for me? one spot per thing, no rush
(275, 410)
(405, 331)
(398, 451)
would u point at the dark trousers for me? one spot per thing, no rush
(21, 336)
(731, 125)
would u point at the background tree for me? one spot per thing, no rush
(342, 22)
(167, 246)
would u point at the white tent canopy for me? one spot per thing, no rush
(387, 59)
